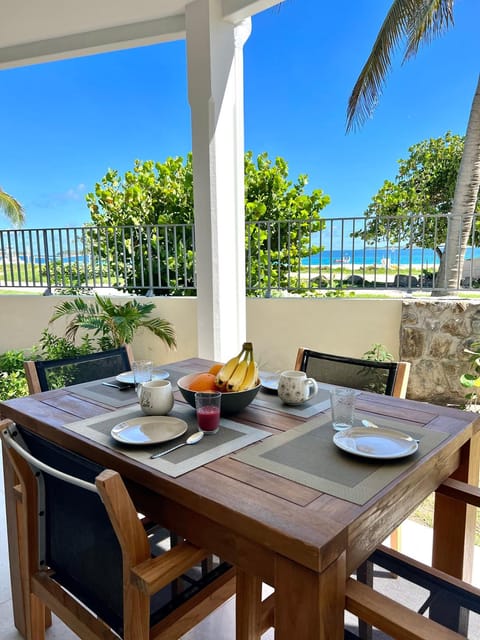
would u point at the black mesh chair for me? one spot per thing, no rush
(85, 555)
(388, 378)
(43, 375)
(421, 603)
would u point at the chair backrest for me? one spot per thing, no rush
(388, 378)
(76, 538)
(43, 375)
(84, 534)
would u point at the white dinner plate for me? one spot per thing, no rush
(269, 381)
(149, 430)
(127, 376)
(380, 443)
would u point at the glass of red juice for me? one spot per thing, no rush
(207, 405)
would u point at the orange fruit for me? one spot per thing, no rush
(215, 368)
(203, 382)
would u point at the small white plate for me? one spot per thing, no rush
(269, 381)
(127, 377)
(379, 443)
(148, 430)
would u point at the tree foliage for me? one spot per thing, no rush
(281, 218)
(406, 210)
(155, 196)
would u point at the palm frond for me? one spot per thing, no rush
(370, 82)
(78, 305)
(162, 329)
(432, 18)
(12, 208)
(414, 20)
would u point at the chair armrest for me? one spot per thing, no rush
(152, 575)
(391, 617)
(460, 491)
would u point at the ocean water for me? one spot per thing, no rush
(65, 260)
(370, 256)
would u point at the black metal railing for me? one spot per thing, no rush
(287, 256)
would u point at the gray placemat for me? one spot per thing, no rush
(307, 455)
(318, 403)
(99, 392)
(231, 437)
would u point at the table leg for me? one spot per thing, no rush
(309, 605)
(453, 545)
(248, 606)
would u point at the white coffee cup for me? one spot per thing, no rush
(155, 397)
(295, 388)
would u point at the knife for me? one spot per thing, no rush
(121, 387)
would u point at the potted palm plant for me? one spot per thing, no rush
(112, 324)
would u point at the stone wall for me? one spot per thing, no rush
(434, 334)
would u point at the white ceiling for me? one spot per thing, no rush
(34, 31)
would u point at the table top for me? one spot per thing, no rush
(248, 514)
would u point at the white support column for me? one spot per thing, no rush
(215, 86)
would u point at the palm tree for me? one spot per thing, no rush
(112, 324)
(420, 21)
(11, 208)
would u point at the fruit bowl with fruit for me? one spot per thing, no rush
(237, 380)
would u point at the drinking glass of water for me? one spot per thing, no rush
(342, 403)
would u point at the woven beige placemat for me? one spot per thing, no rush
(231, 437)
(307, 455)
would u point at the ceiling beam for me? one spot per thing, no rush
(237, 10)
(98, 41)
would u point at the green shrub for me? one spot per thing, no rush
(13, 383)
(52, 347)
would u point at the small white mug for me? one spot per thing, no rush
(295, 388)
(155, 397)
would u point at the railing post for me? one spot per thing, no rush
(48, 290)
(268, 293)
(149, 293)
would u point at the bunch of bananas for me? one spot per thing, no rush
(239, 373)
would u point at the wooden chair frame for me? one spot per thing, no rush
(142, 575)
(34, 369)
(395, 619)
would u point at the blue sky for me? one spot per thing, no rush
(63, 124)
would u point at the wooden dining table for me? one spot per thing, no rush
(302, 541)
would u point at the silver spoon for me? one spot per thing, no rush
(193, 439)
(367, 423)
